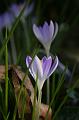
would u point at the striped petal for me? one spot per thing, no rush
(46, 65)
(53, 67)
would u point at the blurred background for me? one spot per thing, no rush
(23, 41)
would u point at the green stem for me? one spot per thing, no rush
(34, 103)
(6, 77)
(53, 91)
(48, 83)
(54, 95)
(39, 103)
(13, 52)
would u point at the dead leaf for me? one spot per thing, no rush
(17, 77)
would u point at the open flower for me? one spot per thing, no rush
(46, 34)
(41, 69)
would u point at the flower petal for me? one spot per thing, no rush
(54, 66)
(37, 33)
(46, 64)
(7, 19)
(56, 30)
(45, 32)
(28, 63)
(15, 9)
(51, 30)
(37, 68)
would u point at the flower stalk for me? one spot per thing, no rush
(39, 103)
(6, 77)
(48, 82)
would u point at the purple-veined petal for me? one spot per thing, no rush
(46, 65)
(44, 59)
(53, 67)
(45, 32)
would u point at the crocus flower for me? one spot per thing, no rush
(41, 69)
(16, 9)
(46, 34)
(7, 19)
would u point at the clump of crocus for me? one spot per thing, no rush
(46, 34)
(41, 70)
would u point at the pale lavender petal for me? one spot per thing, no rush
(56, 30)
(15, 9)
(37, 33)
(53, 67)
(51, 30)
(46, 65)
(45, 32)
(28, 61)
(37, 68)
(29, 65)
(7, 19)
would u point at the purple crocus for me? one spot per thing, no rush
(41, 69)
(46, 34)
(7, 19)
(16, 9)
